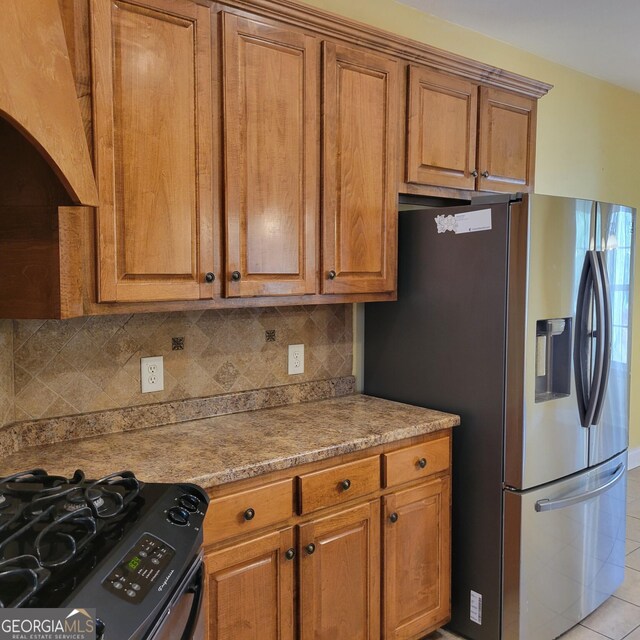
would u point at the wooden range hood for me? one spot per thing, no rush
(45, 166)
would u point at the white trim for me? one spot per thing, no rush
(634, 458)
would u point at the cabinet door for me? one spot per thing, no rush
(271, 158)
(250, 590)
(417, 560)
(360, 170)
(507, 139)
(441, 129)
(339, 575)
(152, 118)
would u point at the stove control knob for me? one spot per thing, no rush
(189, 502)
(178, 515)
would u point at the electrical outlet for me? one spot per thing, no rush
(152, 374)
(296, 359)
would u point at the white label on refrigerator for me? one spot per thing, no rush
(472, 221)
(445, 223)
(468, 222)
(475, 610)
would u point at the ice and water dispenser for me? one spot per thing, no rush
(553, 358)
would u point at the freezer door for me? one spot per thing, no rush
(544, 439)
(615, 242)
(564, 548)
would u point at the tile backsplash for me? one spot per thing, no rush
(6, 372)
(64, 367)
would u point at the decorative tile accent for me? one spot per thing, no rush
(65, 367)
(6, 372)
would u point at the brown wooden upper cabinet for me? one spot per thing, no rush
(442, 129)
(361, 94)
(151, 75)
(244, 156)
(507, 140)
(465, 136)
(271, 134)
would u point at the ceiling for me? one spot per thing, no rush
(596, 37)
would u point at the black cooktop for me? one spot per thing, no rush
(55, 530)
(105, 542)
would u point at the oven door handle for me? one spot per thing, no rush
(192, 582)
(197, 588)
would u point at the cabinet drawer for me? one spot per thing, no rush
(412, 463)
(339, 484)
(246, 511)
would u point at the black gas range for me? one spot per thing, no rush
(128, 549)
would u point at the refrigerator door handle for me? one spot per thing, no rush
(580, 346)
(588, 383)
(599, 334)
(545, 504)
(605, 336)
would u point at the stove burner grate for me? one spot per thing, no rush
(48, 522)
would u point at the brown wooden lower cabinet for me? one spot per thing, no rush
(416, 535)
(250, 589)
(328, 575)
(340, 575)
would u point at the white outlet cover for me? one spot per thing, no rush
(296, 359)
(152, 374)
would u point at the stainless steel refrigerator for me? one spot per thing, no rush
(516, 316)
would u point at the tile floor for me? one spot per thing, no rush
(619, 617)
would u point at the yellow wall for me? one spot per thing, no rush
(588, 130)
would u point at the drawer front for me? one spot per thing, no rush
(339, 484)
(413, 463)
(249, 510)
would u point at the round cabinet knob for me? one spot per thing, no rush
(189, 502)
(474, 173)
(393, 517)
(209, 277)
(235, 276)
(332, 274)
(178, 515)
(290, 554)
(310, 548)
(485, 174)
(345, 484)
(422, 463)
(249, 514)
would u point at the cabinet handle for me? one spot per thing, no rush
(249, 514)
(209, 277)
(422, 463)
(345, 484)
(485, 174)
(474, 173)
(235, 276)
(290, 554)
(332, 274)
(393, 517)
(310, 548)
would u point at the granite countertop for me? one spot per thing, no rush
(221, 449)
